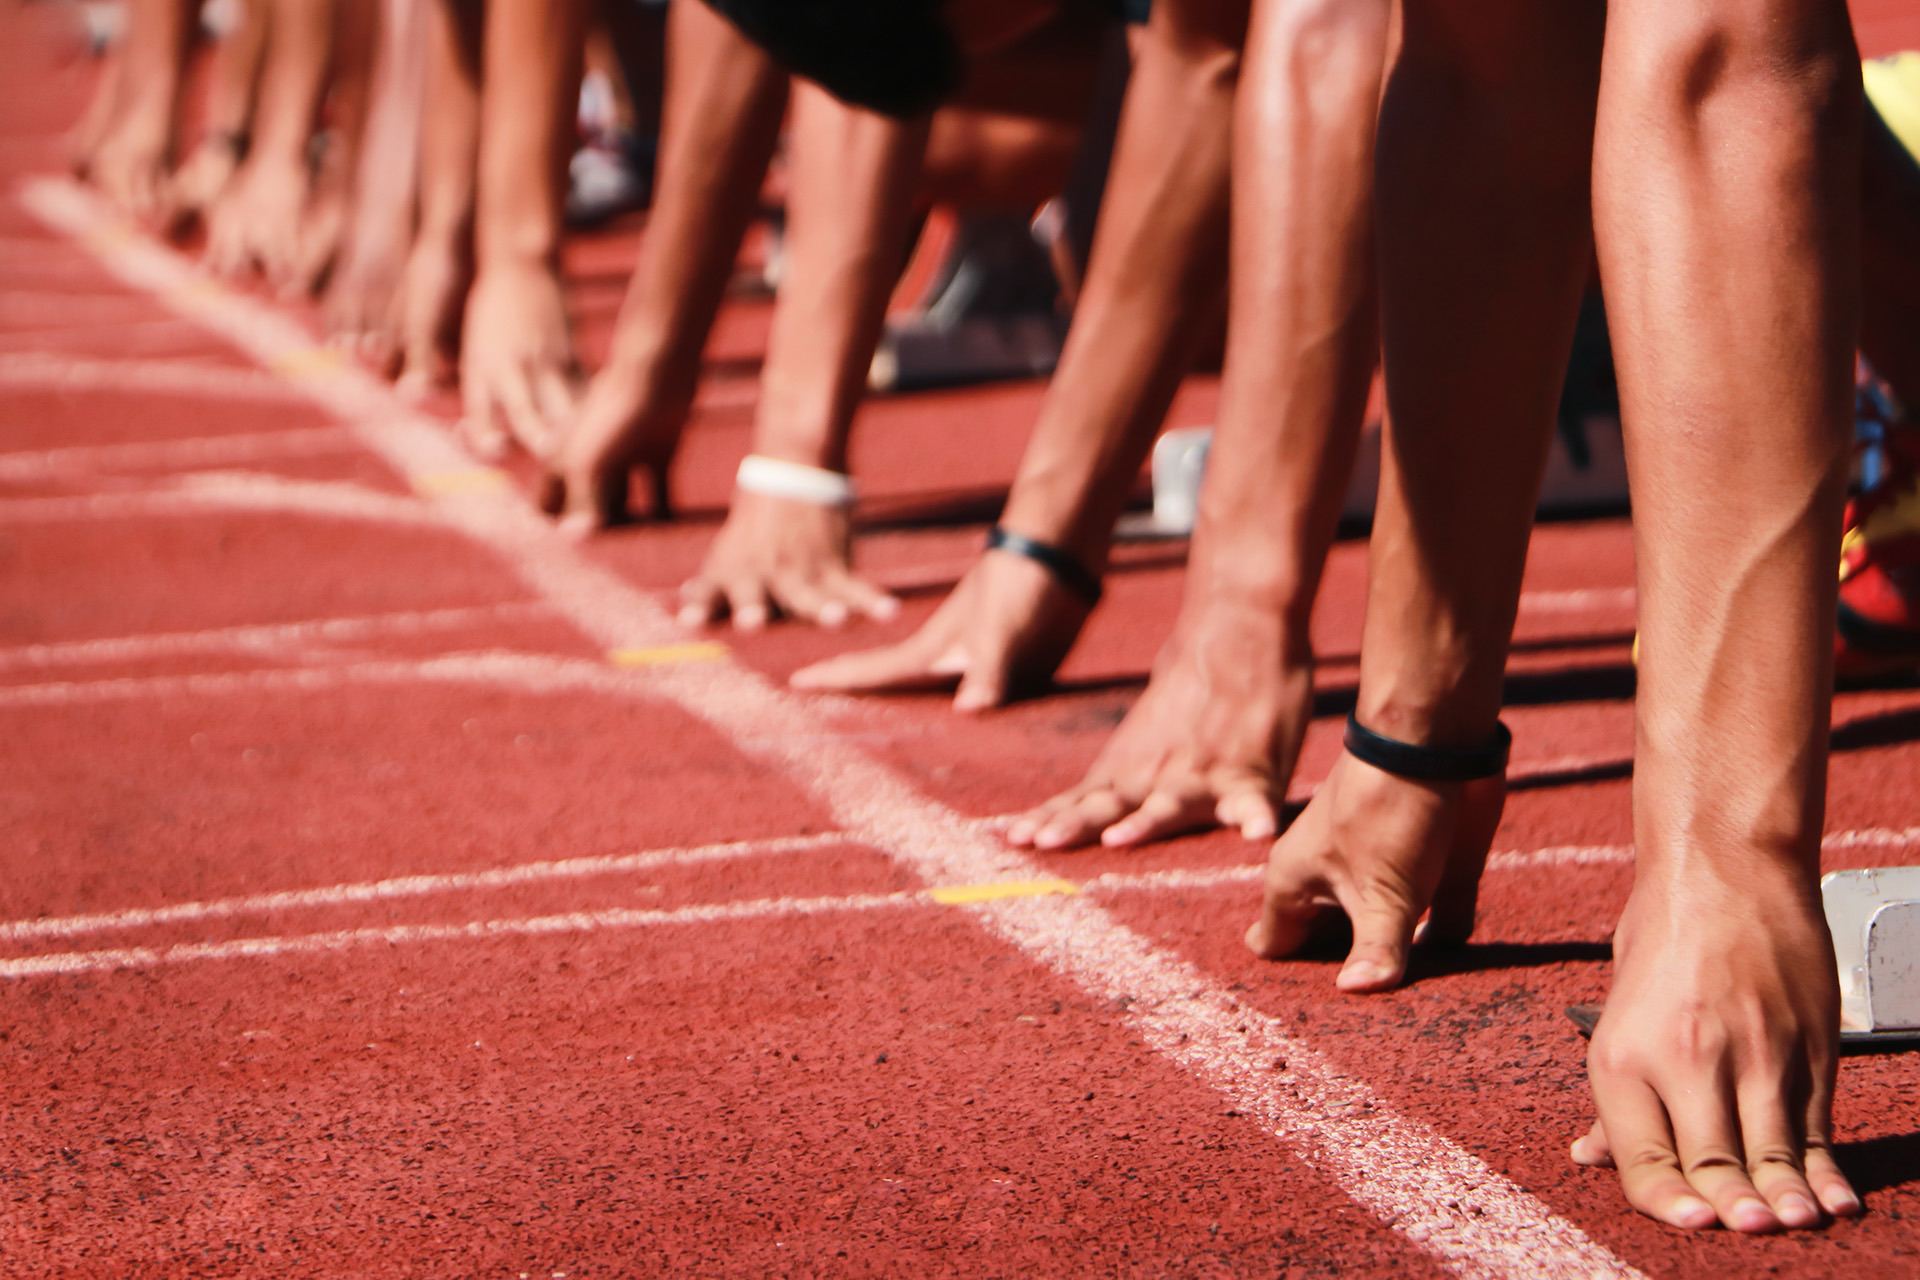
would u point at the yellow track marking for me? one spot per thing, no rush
(961, 894)
(663, 654)
(447, 484)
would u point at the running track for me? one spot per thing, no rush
(392, 890)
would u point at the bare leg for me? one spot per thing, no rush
(1725, 171)
(1890, 252)
(518, 372)
(725, 99)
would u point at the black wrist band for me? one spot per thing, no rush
(1066, 570)
(1428, 764)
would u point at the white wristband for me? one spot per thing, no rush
(773, 478)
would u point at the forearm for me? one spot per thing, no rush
(153, 55)
(299, 46)
(849, 210)
(1473, 359)
(385, 182)
(722, 116)
(1303, 333)
(531, 86)
(236, 73)
(450, 132)
(1735, 383)
(1154, 282)
(356, 25)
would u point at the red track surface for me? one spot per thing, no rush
(779, 1056)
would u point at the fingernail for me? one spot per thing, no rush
(885, 609)
(579, 526)
(833, 614)
(750, 619)
(1362, 975)
(1258, 829)
(692, 616)
(1751, 1215)
(1120, 833)
(1797, 1211)
(1020, 833)
(1693, 1214)
(1843, 1204)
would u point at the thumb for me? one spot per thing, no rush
(1382, 930)
(983, 685)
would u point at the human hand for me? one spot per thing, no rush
(129, 165)
(1213, 739)
(257, 221)
(197, 184)
(621, 424)
(1006, 625)
(519, 377)
(363, 305)
(1713, 1065)
(777, 553)
(1383, 849)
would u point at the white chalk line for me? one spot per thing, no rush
(205, 492)
(179, 455)
(416, 886)
(43, 371)
(1428, 1189)
(269, 639)
(67, 963)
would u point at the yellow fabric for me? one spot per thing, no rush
(1893, 86)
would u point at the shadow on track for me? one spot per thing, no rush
(1879, 1163)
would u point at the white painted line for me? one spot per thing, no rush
(413, 886)
(270, 639)
(523, 672)
(203, 380)
(125, 333)
(72, 962)
(209, 491)
(1438, 1196)
(179, 455)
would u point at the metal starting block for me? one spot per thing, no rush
(1874, 916)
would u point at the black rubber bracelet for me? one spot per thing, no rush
(1428, 764)
(1066, 570)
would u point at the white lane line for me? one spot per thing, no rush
(523, 672)
(270, 639)
(413, 886)
(209, 491)
(201, 379)
(1438, 1196)
(164, 329)
(72, 962)
(179, 455)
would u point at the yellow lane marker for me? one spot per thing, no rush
(309, 362)
(663, 654)
(448, 484)
(961, 894)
